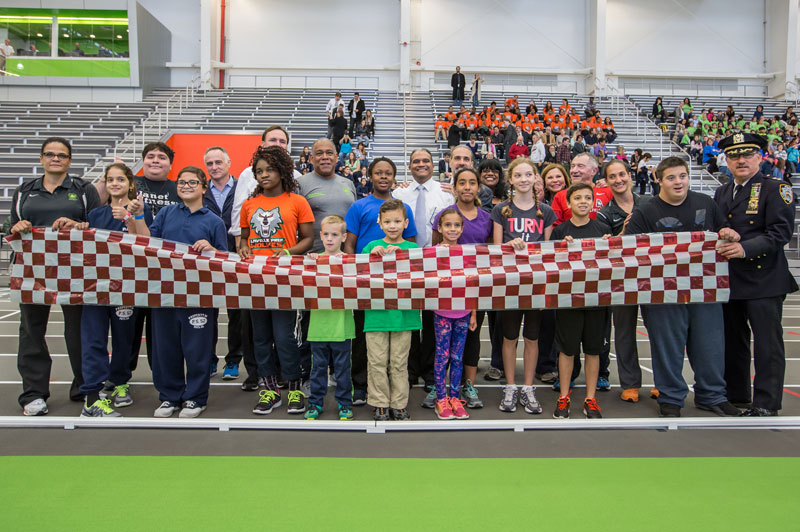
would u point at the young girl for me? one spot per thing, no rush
(518, 221)
(127, 213)
(476, 227)
(271, 220)
(450, 328)
(183, 336)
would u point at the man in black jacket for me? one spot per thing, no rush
(356, 111)
(760, 212)
(458, 82)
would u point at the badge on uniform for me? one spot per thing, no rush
(752, 205)
(786, 194)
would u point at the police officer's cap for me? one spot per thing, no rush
(742, 143)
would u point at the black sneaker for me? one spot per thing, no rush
(267, 401)
(669, 410)
(250, 385)
(721, 409)
(359, 397)
(399, 414)
(757, 411)
(562, 408)
(591, 409)
(380, 414)
(297, 402)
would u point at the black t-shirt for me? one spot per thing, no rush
(157, 194)
(593, 229)
(697, 213)
(73, 199)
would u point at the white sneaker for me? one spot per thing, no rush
(191, 409)
(528, 399)
(37, 407)
(509, 401)
(166, 409)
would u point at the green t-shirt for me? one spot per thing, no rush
(391, 320)
(331, 326)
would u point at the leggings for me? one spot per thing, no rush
(451, 333)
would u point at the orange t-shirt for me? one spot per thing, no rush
(510, 102)
(472, 122)
(575, 119)
(567, 108)
(549, 118)
(274, 222)
(440, 124)
(450, 116)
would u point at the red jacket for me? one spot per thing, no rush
(518, 149)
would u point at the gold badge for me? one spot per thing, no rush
(752, 205)
(786, 194)
(738, 138)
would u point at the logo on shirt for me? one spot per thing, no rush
(72, 196)
(198, 321)
(266, 223)
(123, 313)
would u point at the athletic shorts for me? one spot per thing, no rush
(510, 320)
(472, 345)
(576, 327)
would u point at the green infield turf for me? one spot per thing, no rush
(217, 493)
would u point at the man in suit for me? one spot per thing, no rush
(219, 200)
(445, 170)
(458, 82)
(356, 110)
(760, 214)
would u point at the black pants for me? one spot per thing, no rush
(358, 368)
(33, 357)
(234, 355)
(548, 356)
(423, 351)
(763, 317)
(246, 337)
(146, 327)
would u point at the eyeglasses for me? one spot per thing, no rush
(192, 183)
(56, 156)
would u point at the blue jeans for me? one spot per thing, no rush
(699, 329)
(322, 354)
(276, 327)
(96, 368)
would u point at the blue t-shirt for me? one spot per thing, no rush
(101, 218)
(177, 223)
(362, 221)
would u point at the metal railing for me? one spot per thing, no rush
(157, 121)
(555, 86)
(791, 92)
(302, 82)
(696, 90)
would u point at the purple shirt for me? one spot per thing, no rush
(476, 231)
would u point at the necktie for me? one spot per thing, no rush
(737, 189)
(420, 218)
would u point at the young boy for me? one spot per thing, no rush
(388, 332)
(576, 326)
(330, 333)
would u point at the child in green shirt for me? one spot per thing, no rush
(388, 332)
(329, 333)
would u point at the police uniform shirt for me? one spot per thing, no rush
(73, 199)
(158, 194)
(179, 224)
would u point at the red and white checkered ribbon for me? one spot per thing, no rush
(110, 268)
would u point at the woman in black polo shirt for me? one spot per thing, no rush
(59, 201)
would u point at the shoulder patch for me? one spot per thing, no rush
(786, 194)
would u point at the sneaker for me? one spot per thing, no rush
(122, 396)
(297, 402)
(305, 386)
(267, 400)
(493, 374)
(756, 411)
(313, 412)
(443, 410)
(345, 414)
(528, 399)
(630, 395)
(509, 401)
(654, 393)
(380, 414)
(359, 397)
(591, 409)
(213, 368)
(557, 385)
(37, 407)
(471, 395)
(399, 414)
(166, 409)
(562, 408)
(230, 372)
(250, 385)
(669, 410)
(721, 409)
(457, 406)
(282, 385)
(430, 399)
(100, 408)
(191, 409)
(547, 378)
(602, 384)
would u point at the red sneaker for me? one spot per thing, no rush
(457, 406)
(443, 410)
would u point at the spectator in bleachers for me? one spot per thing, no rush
(556, 179)
(531, 109)
(600, 150)
(589, 109)
(710, 153)
(77, 52)
(687, 108)
(330, 111)
(355, 109)
(369, 120)
(564, 152)
(474, 147)
(659, 113)
(758, 114)
(363, 188)
(538, 150)
(590, 138)
(487, 149)
(6, 51)
(458, 82)
(475, 90)
(722, 164)
(362, 135)
(789, 115)
(303, 165)
(577, 144)
(498, 139)
(440, 128)
(518, 149)
(730, 114)
(338, 128)
(454, 134)
(354, 165)
(608, 128)
(445, 168)
(361, 154)
(620, 155)
(792, 156)
(550, 157)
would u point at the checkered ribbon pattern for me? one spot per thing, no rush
(111, 268)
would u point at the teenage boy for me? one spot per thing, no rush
(330, 333)
(388, 332)
(576, 327)
(695, 328)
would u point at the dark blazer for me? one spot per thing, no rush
(211, 204)
(458, 81)
(444, 166)
(764, 271)
(360, 107)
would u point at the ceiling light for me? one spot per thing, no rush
(91, 36)
(39, 35)
(119, 36)
(66, 35)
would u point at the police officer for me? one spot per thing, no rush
(760, 213)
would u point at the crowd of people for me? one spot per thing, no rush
(273, 209)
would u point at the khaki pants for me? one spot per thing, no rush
(387, 368)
